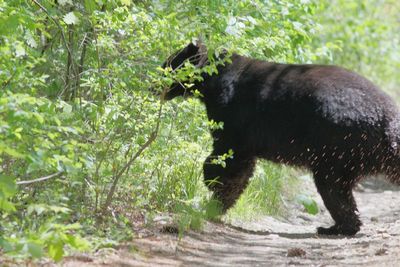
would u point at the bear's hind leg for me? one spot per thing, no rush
(338, 198)
(228, 183)
(393, 173)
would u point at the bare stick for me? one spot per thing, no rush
(41, 179)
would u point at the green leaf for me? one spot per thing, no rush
(56, 251)
(7, 185)
(67, 108)
(65, 2)
(39, 117)
(126, 2)
(37, 208)
(10, 151)
(5, 245)
(308, 203)
(58, 209)
(35, 250)
(7, 189)
(77, 242)
(70, 19)
(213, 209)
(6, 205)
(30, 40)
(90, 6)
(19, 50)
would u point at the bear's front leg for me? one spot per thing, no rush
(228, 183)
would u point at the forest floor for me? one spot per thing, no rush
(289, 241)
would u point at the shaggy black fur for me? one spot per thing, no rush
(330, 120)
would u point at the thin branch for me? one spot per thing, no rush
(71, 70)
(7, 82)
(80, 67)
(41, 179)
(151, 139)
(55, 22)
(70, 63)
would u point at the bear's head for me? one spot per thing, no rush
(196, 54)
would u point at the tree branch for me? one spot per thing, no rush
(117, 177)
(70, 63)
(7, 82)
(41, 179)
(55, 22)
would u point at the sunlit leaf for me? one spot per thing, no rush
(35, 250)
(126, 2)
(19, 50)
(10, 151)
(308, 203)
(90, 5)
(30, 40)
(65, 2)
(56, 250)
(70, 18)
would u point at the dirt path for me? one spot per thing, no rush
(275, 242)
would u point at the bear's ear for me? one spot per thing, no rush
(192, 49)
(196, 52)
(191, 52)
(197, 45)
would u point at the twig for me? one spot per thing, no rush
(55, 22)
(70, 57)
(80, 67)
(6, 83)
(41, 179)
(152, 137)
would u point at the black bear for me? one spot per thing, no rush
(332, 121)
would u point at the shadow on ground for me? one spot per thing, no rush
(271, 241)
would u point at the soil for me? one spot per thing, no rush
(289, 241)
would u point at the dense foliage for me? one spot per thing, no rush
(87, 150)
